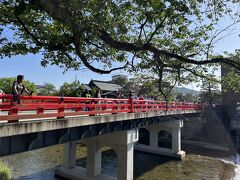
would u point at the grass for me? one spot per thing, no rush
(5, 172)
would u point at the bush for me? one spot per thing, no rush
(5, 172)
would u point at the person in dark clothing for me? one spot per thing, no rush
(130, 94)
(18, 88)
(88, 95)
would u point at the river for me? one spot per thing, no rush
(40, 165)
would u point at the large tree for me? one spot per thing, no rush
(73, 89)
(210, 92)
(166, 36)
(48, 89)
(6, 85)
(231, 80)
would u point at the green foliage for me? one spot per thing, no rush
(5, 172)
(73, 89)
(94, 91)
(232, 79)
(148, 87)
(6, 85)
(172, 41)
(174, 35)
(179, 97)
(210, 92)
(190, 98)
(47, 90)
(122, 81)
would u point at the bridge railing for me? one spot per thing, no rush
(33, 107)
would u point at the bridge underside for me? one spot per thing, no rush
(25, 136)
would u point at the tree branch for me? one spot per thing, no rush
(85, 60)
(61, 13)
(157, 28)
(157, 52)
(28, 31)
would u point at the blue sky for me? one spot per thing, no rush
(29, 65)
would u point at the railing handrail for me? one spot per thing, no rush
(83, 106)
(34, 97)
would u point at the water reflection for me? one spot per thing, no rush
(41, 164)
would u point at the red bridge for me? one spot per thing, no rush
(33, 122)
(34, 107)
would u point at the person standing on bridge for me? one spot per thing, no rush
(88, 95)
(1, 100)
(18, 88)
(1, 93)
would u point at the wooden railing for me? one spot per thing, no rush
(34, 107)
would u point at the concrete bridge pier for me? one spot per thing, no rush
(121, 142)
(174, 129)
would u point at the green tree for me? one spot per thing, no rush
(190, 98)
(148, 86)
(6, 85)
(73, 89)
(179, 97)
(210, 92)
(231, 80)
(168, 35)
(48, 90)
(122, 81)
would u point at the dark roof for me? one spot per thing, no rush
(86, 87)
(106, 85)
(109, 93)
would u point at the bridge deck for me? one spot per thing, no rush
(69, 119)
(30, 114)
(25, 127)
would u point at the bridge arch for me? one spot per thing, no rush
(165, 139)
(144, 136)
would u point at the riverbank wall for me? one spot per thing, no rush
(208, 128)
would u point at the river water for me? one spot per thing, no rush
(40, 165)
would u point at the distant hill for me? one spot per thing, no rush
(185, 91)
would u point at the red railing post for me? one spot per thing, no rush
(130, 107)
(78, 109)
(144, 105)
(40, 110)
(104, 105)
(13, 111)
(60, 112)
(114, 107)
(92, 108)
(61, 108)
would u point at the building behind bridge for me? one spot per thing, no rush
(108, 88)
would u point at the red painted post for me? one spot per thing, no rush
(144, 105)
(104, 105)
(13, 111)
(78, 109)
(130, 102)
(114, 107)
(92, 108)
(60, 112)
(40, 110)
(61, 108)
